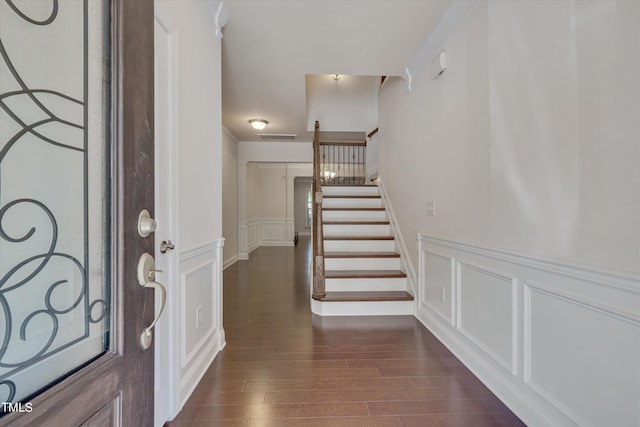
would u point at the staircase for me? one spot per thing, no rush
(363, 270)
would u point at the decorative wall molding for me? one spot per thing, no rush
(243, 240)
(539, 333)
(268, 232)
(218, 15)
(205, 248)
(402, 247)
(507, 361)
(192, 377)
(253, 236)
(440, 269)
(201, 336)
(187, 279)
(228, 263)
(453, 16)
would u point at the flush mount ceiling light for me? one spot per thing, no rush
(336, 77)
(258, 124)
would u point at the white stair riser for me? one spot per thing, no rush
(351, 203)
(346, 190)
(354, 215)
(357, 285)
(362, 308)
(359, 245)
(362, 263)
(356, 230)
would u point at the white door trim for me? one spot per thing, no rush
(167, 403)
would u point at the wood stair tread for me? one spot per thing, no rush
(348, 185)
(364, 274)
(350, 196)
(359, 237)
(353, 209)
(361, 255)
(366, 296)
(356, 222)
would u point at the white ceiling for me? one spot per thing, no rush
(270, 45)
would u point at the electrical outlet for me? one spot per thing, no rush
(198, 316)
(431, 208)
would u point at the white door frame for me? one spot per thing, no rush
(166, 392)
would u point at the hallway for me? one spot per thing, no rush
(283, 366)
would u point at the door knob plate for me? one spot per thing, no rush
(146, 224)
(147, 279)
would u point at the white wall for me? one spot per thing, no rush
(230, 197)
(346, 105)
(528, 144)
(197, 340)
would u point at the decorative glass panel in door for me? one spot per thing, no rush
(54, 191)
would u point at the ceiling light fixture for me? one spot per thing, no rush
(258, 124)
(336, 77)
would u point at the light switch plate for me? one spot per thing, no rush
(431, 208)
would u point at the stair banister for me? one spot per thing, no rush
(318, 240)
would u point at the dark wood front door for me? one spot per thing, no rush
(76, 169)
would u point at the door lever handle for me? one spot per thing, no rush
(165, 246)
(147, 279)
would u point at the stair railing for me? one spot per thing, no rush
(318, 291)
(343, 162)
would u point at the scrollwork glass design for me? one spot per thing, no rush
(54, 228)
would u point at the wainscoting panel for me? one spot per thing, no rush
(438, 284)
(201, 334)
(573, 348)
(558, 343)
(197, 313)
(253, 235)
(273, 232)
(487, 312)
(269, 232)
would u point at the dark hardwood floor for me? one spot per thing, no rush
(284, 366)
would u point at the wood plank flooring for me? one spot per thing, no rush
(284, 366)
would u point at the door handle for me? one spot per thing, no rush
(147, 279)
(166, 245)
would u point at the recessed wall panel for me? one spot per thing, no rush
(437, 292)
(575, 348)
(485, 314)
(198, 312)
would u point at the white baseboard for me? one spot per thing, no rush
(230, 262)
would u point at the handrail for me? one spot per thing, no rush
(318, 291)
(373, 132)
